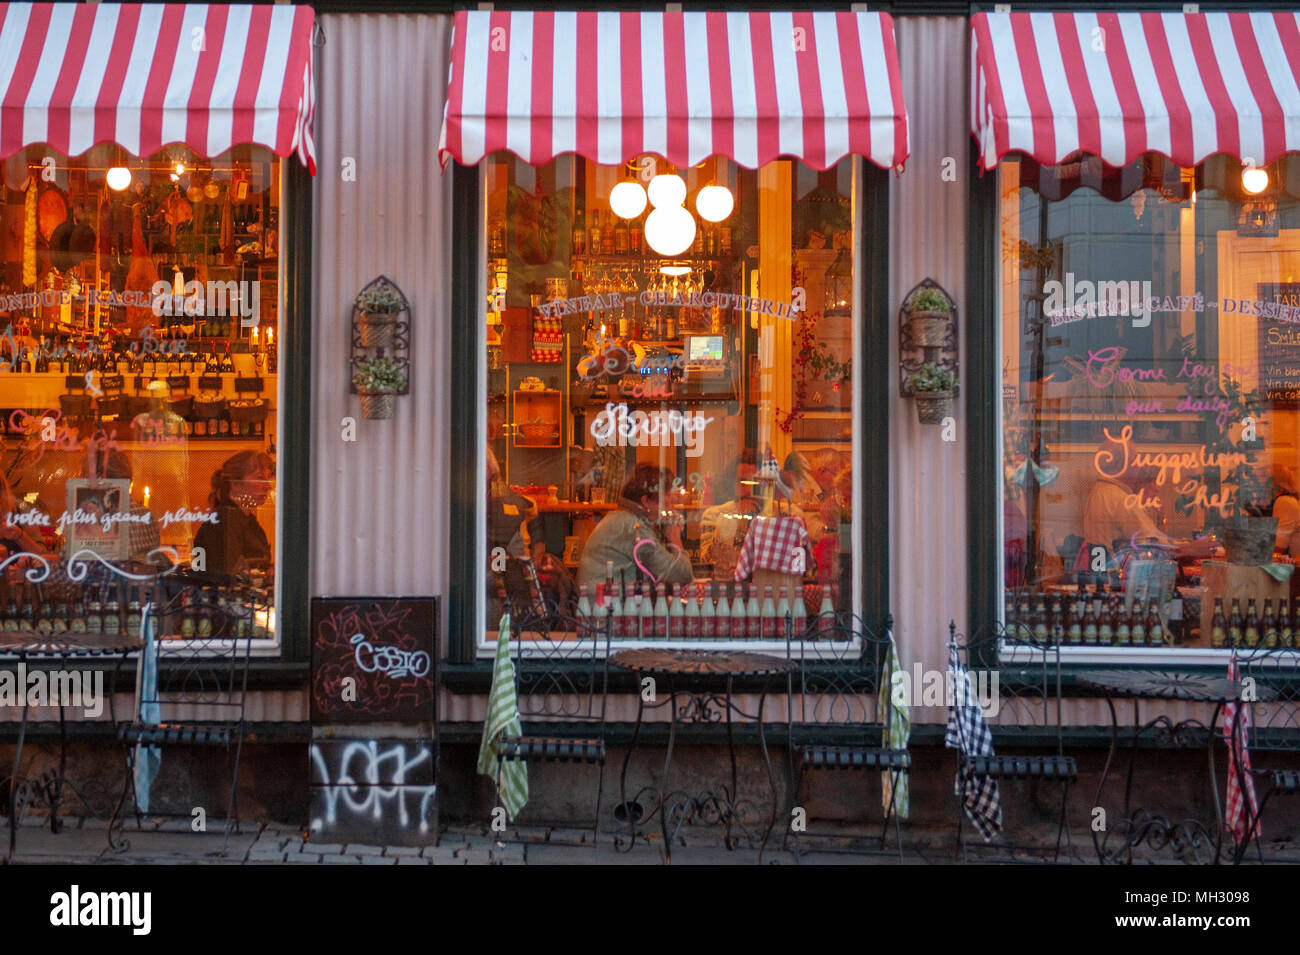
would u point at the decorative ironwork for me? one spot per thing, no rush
(944, 356)
(400, 348)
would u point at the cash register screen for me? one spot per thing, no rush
(704, 350)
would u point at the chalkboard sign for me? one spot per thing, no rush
(373, 659)
(1279, 348)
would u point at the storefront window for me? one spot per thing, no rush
(139, 337)
(1150, 326)
(669, 388)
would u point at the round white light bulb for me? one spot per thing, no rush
(670, 231)
(118, 178)
(714, 203)
(1254, 180)
(627, 199)
(667, 190)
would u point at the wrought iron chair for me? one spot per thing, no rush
(1274, 728)
(836, 696)
(561, 680)
(1024, 675)
(203, 638)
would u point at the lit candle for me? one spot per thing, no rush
(178, 284)
(146, 495)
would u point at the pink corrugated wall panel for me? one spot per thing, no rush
(382, 206)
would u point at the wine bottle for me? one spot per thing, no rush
(1155, 627)
(1268, 625)
(78, 622)
(1074, 635)
(27, 622)
(1090, 623)
(1123, 627)
(1058, 623)
(1285, 627)
(59, 623)
(1026, 620)
(45, 622)
(1138, 626)
(1236, 625)
(1106, 625)
(113, 617)
(133, 616)
(1252, 624)
(95, 616)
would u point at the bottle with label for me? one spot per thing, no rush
(691, 615)
(1106, 623)
(1268, 626)
(722, 620)
(708, 614)
(621, 237)
(579, 240)
(1040, 621)
(1137, 623)
(1090, 623)
(1236, 625)
(676, 615)
(1218, 625)
(45, 622)
(1012, 624)
(634, 238)
(661, 611)
(78, 622)
(1057, 628)
(1074, 635)
(753, 615)
(60, 622)
(113, 617)
(1123, 625)
(646, 613)
(826, 614)
(1025, 618)
(1252, 624)
(95, 616)
(584, 607)
(615, 610)
(593, 233)
(799, 611)
(783, 614)
(1285, 626)
(631, 626)
(739, 619)
(1155, 626)
(27, 622)
(133, 616)
(767, 625)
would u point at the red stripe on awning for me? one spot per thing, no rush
(238, 85)
(737, 105)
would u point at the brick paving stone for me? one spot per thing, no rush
(378, 860)
(298, 858)
(401, 850)
(573, 836)
(413, 860)
(442, 855)
(353, 849)
(341, 860)
(323, 848)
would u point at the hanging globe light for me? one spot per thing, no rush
(118, 178)
(667, 190)
(714, 203)
(1254, 180)
(627, 199)
(669, 230)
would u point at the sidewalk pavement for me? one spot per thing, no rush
(170, 842)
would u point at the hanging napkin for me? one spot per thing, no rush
(147, 758)
(896, 725)
(503, 720)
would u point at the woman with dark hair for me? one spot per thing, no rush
(632, 534)
(237, 542)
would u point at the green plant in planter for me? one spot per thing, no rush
(380, 299)
(379, 374)
(928, 300)
(931, 378)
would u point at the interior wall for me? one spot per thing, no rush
(382, 206)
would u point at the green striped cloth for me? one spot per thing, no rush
(896, 731)
(503, 720)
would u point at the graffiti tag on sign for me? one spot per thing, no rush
(373, 659)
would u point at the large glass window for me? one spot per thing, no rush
(1150, 327)
(139, 334)
(668, 386)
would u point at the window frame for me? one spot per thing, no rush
(468, 369)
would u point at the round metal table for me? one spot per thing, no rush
(1142, 824)
(33, 647)
(694, 675)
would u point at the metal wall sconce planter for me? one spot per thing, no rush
(381, 346)
(927, 324)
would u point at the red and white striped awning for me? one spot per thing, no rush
(1117, 85)
(684, 86)
(144, 76)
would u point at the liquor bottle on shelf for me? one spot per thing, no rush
(676, 615)
(1252, 624)
(579, 241)
(1090, 623)
(661, 605)
(753, 614)
(691, 615)
(1123, 625)
(739, 617)
(634, 238)
(1285, 626)
(1218, 625)
(1040, 621)
(607, 237)
(799, 611)
(767, 623)
(621, 238)
(1155, 627)
(1268, 626)
(594, 236)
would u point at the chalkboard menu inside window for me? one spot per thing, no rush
(1279, 348)
(373, 659)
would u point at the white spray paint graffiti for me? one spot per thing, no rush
(394, 663)
(344, 790)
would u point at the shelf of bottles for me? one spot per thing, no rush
(1273, 629)
(1100, 618)
(704, 611)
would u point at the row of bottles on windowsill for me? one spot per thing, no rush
(697, 614)
(612, 235)
(206, 615)
(1097, 619)
(48, 360)
(97, 611)
(1251, 630)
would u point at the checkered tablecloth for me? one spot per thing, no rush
(1242, 817)
(771, 545)
(968, 733)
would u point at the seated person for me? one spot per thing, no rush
(1108, 519)
(1286, 508)
(511, 517)
(723, 526)
(237, 543)
(634, 533)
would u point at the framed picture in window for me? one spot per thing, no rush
(97, 518)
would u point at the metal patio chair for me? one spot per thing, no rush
(203, 639)
(1027, 700)
(834, 721)
(1274, 728)
(561, 682)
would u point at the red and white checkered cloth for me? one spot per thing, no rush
(1236, 722)
(770, 545)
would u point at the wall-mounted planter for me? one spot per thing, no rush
(381, 341)
(376, 329)
(378, 405)
(933, 406)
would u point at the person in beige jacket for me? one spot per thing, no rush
(616, 537)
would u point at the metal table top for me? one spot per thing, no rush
(28, 644)
(1170, 685)
(700, 662)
